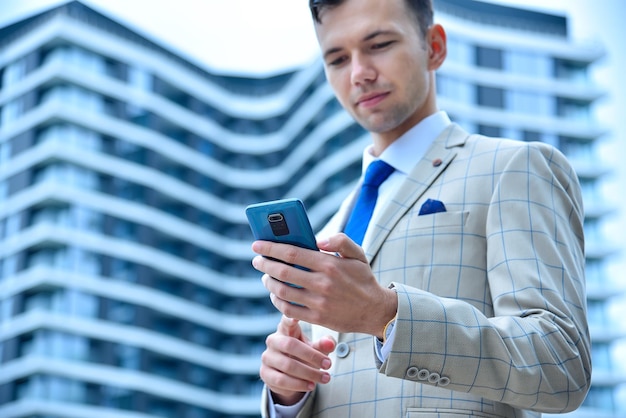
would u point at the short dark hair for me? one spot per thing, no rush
(422, 9)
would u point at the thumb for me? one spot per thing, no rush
(325, 345)
(343, 246)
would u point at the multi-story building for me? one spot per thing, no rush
(125, 281)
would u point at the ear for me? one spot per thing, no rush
(437, 46)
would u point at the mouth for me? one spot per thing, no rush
(371, 99)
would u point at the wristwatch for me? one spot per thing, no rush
(388, 328)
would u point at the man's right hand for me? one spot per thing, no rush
(291, 365)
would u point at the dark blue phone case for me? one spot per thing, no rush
(298, 232)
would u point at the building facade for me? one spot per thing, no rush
(126, 287)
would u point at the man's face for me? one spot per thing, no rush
(378, 64)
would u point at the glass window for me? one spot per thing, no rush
(12, 110)
(127, 357)
(124, 270)
(9, 266)
(79, 304)
(61, 389)
(577, 150)
(594, 272)
(71, 54)
(140, 78)
(600, 397)
(489, 57)
(573, 109)
(115, 397)
(124, 229)
(198, 375)
(56, 215)
(38, 301)
(130, 151)
(456, 89)
(67, 174)
(76, 97)
(572, 71)
(5, 151)
(531, 136)
(528, 63)
(621, 399)
(167, 284)
(86, 219)
(201, 335)
(592, 232)
(162, 408)
(62, 345)
(488, 130)
(164, 366)
(532, 103)
(490, 96)
(459, 51)
(70, 136)
(590, 190)
(596, 313)
(123, 313)
(6, 311)
(14, 72)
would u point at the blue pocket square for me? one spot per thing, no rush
(432, 206)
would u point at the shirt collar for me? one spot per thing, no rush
(411, 146)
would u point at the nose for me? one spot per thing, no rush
(362, 71)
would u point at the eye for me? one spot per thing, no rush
(382, 45)
(337, 61)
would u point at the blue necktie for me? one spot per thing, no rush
(376, 173)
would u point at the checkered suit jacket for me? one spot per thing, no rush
(491, 318)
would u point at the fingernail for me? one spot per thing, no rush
(325, 378)
(311, 386)
(326, 364)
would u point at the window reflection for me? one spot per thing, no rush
(64, 301)
(528, 63)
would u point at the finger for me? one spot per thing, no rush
(285, 297)
(295, 360)
(282, 383)
(279, 271)
(290, 327)
(289, 254)
(294, 349)
(342, 245)
(292, 376)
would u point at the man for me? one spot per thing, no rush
(466, 295)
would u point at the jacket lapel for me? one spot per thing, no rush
(437, 158)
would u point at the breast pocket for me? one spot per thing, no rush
(437, 221)
(417, 234)
(436, 239)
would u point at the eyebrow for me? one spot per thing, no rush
(365, 39)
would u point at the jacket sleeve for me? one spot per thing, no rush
(534, 351)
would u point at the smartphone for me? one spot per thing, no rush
(283, 221)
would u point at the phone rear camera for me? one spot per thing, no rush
(278, 224)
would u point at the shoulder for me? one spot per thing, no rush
(511, 148)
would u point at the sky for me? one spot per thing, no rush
(253, 37)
